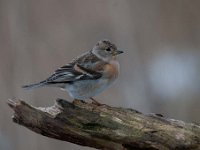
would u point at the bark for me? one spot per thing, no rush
(105, 127)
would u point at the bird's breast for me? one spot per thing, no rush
(84, 89)
(111, 70)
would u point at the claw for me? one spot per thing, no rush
(96, 102)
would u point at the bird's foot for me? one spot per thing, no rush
(78, 101)
(96, 102)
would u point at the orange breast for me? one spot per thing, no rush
(111, 70)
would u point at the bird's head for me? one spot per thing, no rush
(106, 50)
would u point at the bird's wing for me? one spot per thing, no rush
(81, 68)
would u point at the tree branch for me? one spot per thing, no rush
(105, 127)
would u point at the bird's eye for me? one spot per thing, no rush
(108, 49)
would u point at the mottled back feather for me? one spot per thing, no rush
(81, 68)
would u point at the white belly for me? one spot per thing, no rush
(88, 88)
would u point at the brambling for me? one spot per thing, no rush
(88, 74)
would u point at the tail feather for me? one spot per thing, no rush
(33, 86)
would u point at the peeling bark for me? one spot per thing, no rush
(105, 127)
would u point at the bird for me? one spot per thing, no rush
(88, 74)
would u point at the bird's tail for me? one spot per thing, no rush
(33, 86)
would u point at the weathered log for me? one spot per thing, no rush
(105, 127)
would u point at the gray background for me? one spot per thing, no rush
(160, 70)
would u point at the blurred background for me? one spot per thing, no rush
(160, 70)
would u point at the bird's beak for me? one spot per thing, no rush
(119, 52)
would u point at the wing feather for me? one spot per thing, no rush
(79, 69)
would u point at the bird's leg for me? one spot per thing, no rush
(96, 102)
